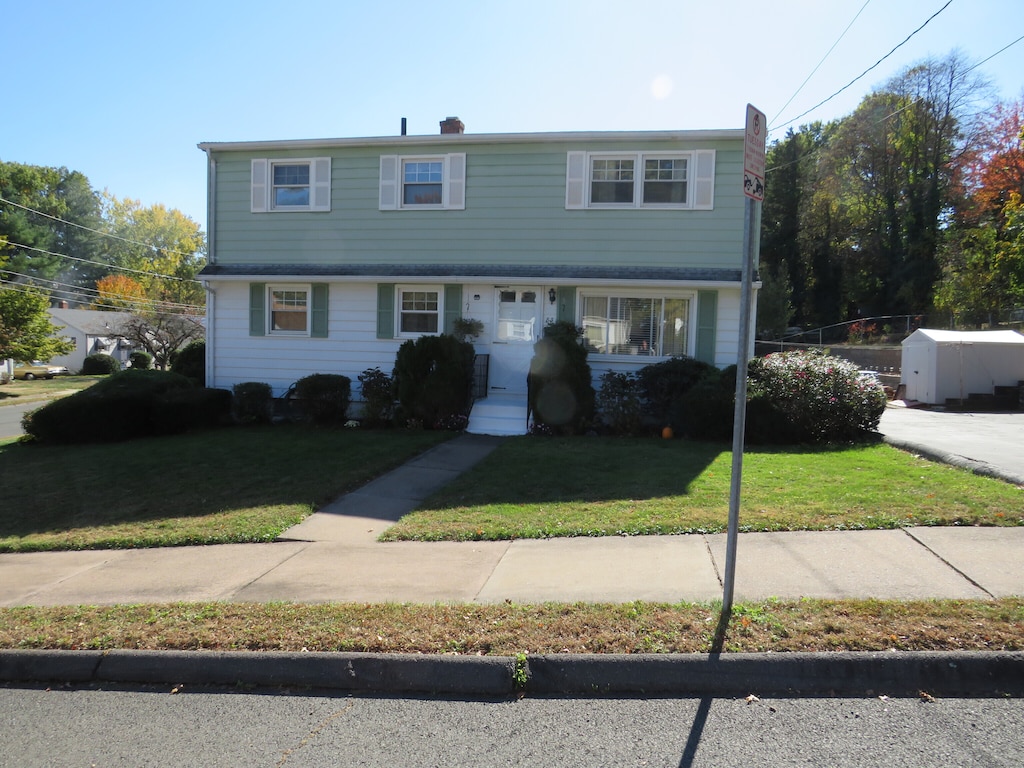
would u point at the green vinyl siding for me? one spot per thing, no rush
(707, 325)
(514, 213)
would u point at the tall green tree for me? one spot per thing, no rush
(26, 332)
(36, 204)
(892, 168)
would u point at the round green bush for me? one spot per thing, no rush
(121, 407)
(434, 380)
(662, 384)
(99, 364)
(190, 361)
(814, 398)
(325, 397)
(140, 361)
(251, 402)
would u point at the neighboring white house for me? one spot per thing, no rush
(92, 332)
(326, 255)
(953, 365)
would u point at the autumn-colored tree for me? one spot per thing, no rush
(119, 292)
(996, 170)
(164, 245)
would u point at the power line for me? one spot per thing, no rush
(873, 66)
(102, 264)
(915, 101)
(93, 293)
(76, 296)
(94, 231)
(818, 66)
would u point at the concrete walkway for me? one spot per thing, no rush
(333, 556)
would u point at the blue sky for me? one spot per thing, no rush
(123, 91)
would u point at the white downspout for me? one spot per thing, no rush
(211, 258)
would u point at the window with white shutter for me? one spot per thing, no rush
(423, 182)
(669, 180)
(299, 184)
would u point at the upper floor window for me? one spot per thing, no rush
(665, 180)
(675, 180)
(422, 182)
(612, 180)
(291, 185)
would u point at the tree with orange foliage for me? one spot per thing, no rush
(119, 292)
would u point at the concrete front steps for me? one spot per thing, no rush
(498, 414)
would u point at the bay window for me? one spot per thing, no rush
(658, 326)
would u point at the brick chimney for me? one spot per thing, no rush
(452, 125)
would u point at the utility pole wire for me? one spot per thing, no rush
(861, 75)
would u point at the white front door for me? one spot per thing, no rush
(518, 322)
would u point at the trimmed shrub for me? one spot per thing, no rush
(662, 384)
(706, 410)
(433, 380)
(182, 410)
(140, 361)
(815, 398)
(190, 361)
(378, 392)
(561, 395)
(251, 402)
(121, 407)
(99, 364)
(325, 397)
(619, 406)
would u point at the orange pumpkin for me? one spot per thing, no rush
(667, 433)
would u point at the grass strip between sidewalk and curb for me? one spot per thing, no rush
(509, 629)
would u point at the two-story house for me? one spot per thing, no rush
(325, 255)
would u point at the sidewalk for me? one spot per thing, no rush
(333, 556)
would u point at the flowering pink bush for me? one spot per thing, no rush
(806, 396)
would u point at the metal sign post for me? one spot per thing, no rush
(753, 188)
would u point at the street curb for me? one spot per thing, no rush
(971, 465)
(805, 674)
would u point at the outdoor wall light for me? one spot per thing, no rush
(552, 295)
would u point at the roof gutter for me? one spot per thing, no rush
(589, 137)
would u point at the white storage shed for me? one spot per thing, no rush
(942, 365)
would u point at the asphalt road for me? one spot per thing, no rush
(227, 728)
(10, 418)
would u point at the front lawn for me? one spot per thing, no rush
(20, 391)
(535, 487)
(221, 486)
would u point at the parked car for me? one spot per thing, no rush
(37, 369)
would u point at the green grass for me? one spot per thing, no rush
(511, 629)
(542, 487)
(230, 485)
(20, 391)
